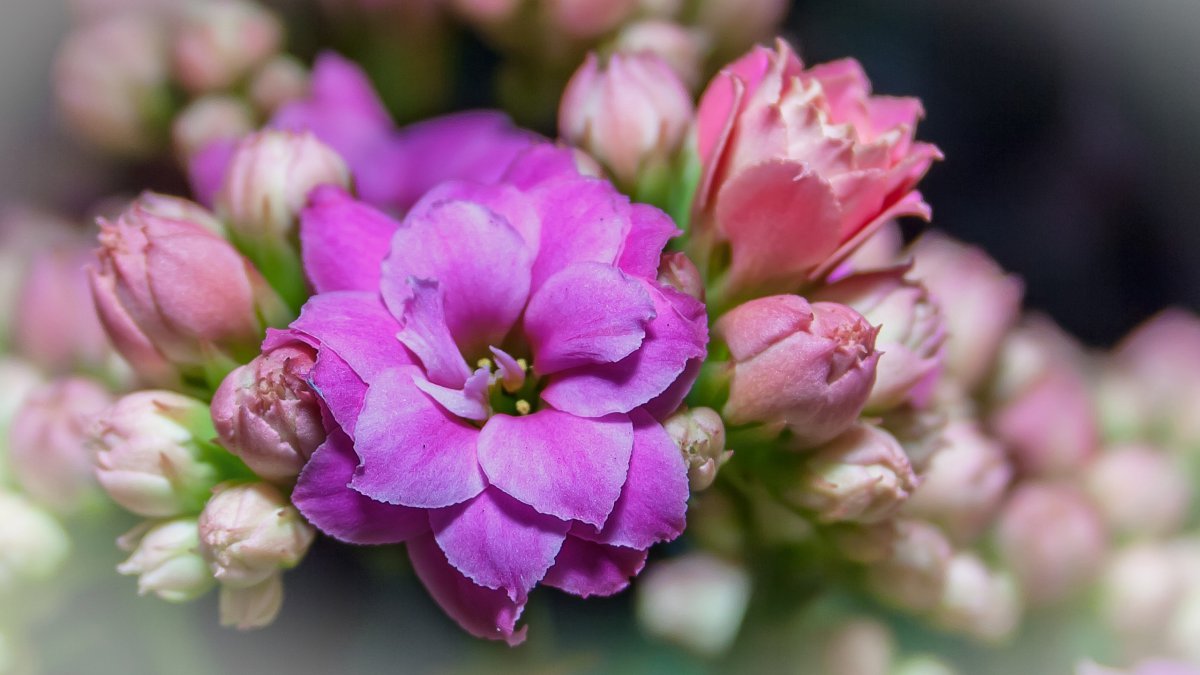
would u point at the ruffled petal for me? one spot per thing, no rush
(356, 326)
(585, 568)
(424, 331)
(340, 388)
(541, 163)
(650, 230)
(584, 219)
(500, 198)
(343, 241)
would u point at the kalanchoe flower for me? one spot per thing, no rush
(177, 299)
(218, 42)
(156, 457)
(167, 562)
(498, 327)
(700, 435)
(33, 545)
(249, 532)
(697, 601)
(1140, 490)
(266, 413)
(809, 367)
(799, 167)
(47, 442)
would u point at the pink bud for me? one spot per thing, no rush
(172, 294)
(209, 119)
(281, 80)
(737, 24)
(914, 576)
(919, 430)
(630, 114)
(250, 532)
(58, 340)
(679, 272)
(977, 601)
(858, 647)
(1140, 490)
(862, 475)
(1052, 539)
(168, 563)
(979, 302)
(587, 19)
(700, 435)
(48, 447)
(266, 413)
(253, 606)
(697, 601)
(684, 49)
(1155, 370)
(810, 367)
(1140, 590)
(219, 41)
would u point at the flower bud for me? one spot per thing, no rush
(682, 48)
(1139, 592)
(920, 432)
(168, 563)
(964, 484)
(809, 367)
(631, 114)
(266, 413)
(679, 272)
(175, 298)
(281, 80)
(864, 543)
(1185, 625)
(20, 379)
(209, 119)
(253, 606)
(858, 647)
(737, 24)
(586, 19)
(696, 601)
(1140, 490)
(979, 302)
(1052, 539)
(33, 546)
(862, 475)
(48, 441)
(914, 576)
(249, 532)
(218, 42)
(910, 336)
(700, 435)
(977, 601)
(155, 457)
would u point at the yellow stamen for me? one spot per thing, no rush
(523, 407)
(524, 365)
(484, 363)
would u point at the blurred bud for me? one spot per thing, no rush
(249, 532)
(174, 296)
(864, 543)
(48, 441)
(209, 119)
(281, 80)
(716, 524)
(914, 576)
(738, 24)
(979, 302)
(920, 432)
(110, 83)
(1141, 587)
(168, 563)
(696, 601)
(880, 251)
(922, 664)
(1140, 490)
(631, 113)
(587, 19)
(773, 339)
(977, 601)
(1052, 539)
(700, 435)
(965, 482)
(485, 12)
(33, 545)
(57, 340)
(1185, 626)
(154, 453)
(910, 336)
(266, 413)
(679, 272)
(20, 379)
(858, 647)
(218, 42)
(682, 48)
(862, 475)
(253, 606)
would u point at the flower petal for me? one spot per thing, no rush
(340, 389)
(498, 542)
(650, 230)
(561, 465)
(500, 198)
(585, 568)
(356, 326)
(424, 331)
(413, 452)
(584, 219)
(470, 402)
(343, 241)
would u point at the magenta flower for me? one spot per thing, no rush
(495, 369)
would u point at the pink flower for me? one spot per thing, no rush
(497, 366)
(800, 166)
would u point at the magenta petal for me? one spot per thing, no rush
(424, 331)
(323, 495)
(585, 568)
(470, 402)
(343, 241)
(562, 465)
(498, 542)
(356, 325)
(480, 262)
(541, 163)
(413, 452)
(587, 313)
(482, 612)
(673, 338)
(340, 389)
(511, 374)
(653, 503)
(206, 169)
(584, 220)
(502, 199)
(650, 231)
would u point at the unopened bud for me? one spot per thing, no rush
(207, 120)
(858, 647)
(33, 545)
(700, 435)
(252, 606)
(249, 532)
(218, 42)
(862, 475)
(281, 80)
(1140, 589)
(977, 601)
(1140, 490)
(697, 601)
(684, 49)
(914, 576)
(679, 272)
(168, 563)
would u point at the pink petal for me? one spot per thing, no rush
(343, 241)
(502, 199)
(498, 542)
(561, 465)
(480, 611)
(912, 204)
(413, 452)
(424, 331)
(511, 374)
(650, 231)
(356, 326)
(470, 402)
(541, 163)
(586, 568)
(587, 220)
(340, 389)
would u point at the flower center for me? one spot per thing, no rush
(512, 388)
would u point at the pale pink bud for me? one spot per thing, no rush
(979, 302)
(922, 664)
(737, 24)
(254, 606)
(858, 647)
(249, 532)
(810, 367)
(1140, 490)
(110, 83)
(881, 250)
(1051, 428)
(914, 576)
(19, 378)
(1139, 592)
(697, 601)
(1156, 369)
(965, 482)
(1185, 626)
(978, 601)
(911, 333)
(684, 49)
(218, 42)
(700, 435)
(266, 413)
(174, 296)
(156, 458)
(208, 119)
(679, 272)
(862, 475)
(58, 340)
(33, 545)
(919, 430)
(281, 80)
(268, 181)
(48, 441)
(1052, 539)
(167, 562)
(586, 19)
(630, 114)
